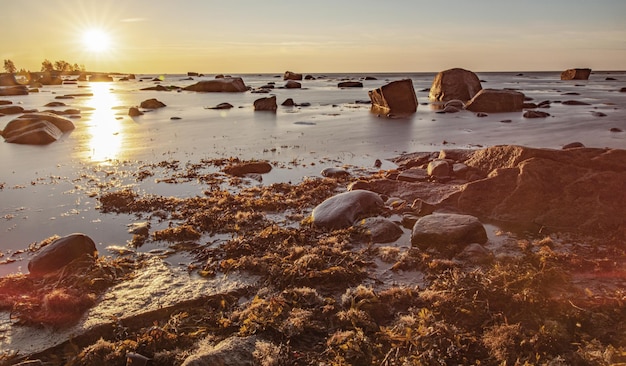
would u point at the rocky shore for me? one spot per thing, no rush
(358, 266)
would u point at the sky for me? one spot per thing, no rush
(321, 36)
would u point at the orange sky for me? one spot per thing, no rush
(249, 36)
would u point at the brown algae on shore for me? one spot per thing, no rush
(318, 299)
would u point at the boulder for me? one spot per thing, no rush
(288, 103)
(292, 84)
(221, 85)
(576, 190)
(38, 133)
(8, 80)
(11, 109)
(495, 101)
(292, 76)
(62, 123)
(265, 104)
(447, 233)
(134, 112)
(252, 167)
(335, 173)
(381, 230)
(342, 210)
(439, 168)
(454, 84)
(350, 84)
(536, 114)
(222, 106)
(397, 97)
(61, 252)
(192, 73)
(47, 78)
(576, 74)
(152, 104)
(13, 90)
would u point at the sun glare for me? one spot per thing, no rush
(96, 40)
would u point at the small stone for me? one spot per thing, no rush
(536, 114)
(381, 230)
(438, 168)
(615, 129)
(335, 173)
(134, 112)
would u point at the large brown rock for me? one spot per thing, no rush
(100, 78)
(342, 210)
(397, 97)
(577, 190)
(152, 104)
(222, 85)
(576, 74)
(8, 80)
(13, 90)
(447, 233)
(495, 101)
(455, 84)
(61, 252)
(292, 76)
(38, 133)
(11, 109)
(266, 104)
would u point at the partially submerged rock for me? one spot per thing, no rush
(13, 90)
(381, 230)
(292, 84)
(576, 74)
(100, 78)
(226, 85)
(266, 104)
(292, 76)
(496, 101)
(397, 97)
(134, 112)
(342, 210)
(350, 84)
(61, 252)
(447, 233)
(152, 104)
(251, 167)
(36, 128)
(454, 83)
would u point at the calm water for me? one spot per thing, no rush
(48, 190)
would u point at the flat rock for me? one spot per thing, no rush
(11, 109)
(576, 74)
(13, 90)
(413, 175)
(253, 167)
(221, 85)
(155, 291)
(577, 190)
(37, 133)
(448, 233)
(350, 84)
(342, 210)
(496, 101)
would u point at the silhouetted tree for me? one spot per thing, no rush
(9, 66)
(46, 65)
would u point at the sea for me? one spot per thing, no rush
(53, 189)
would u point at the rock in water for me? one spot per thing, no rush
(292, 76)
(61, 252)
(447, 233)
(576, 74)
(455, 84)
(222, 85)
(342, 210)
(397, 97)
(134, 112)
(496, 101)
(8, 80)
(265, 104)
(252, 167)
(37, 133)
(292, 84)
(152, 104)
(100, 78)
(350, 84)
(381, 230)
(13, 90)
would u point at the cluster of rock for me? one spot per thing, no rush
(442, 197)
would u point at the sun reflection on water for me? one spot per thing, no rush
(105, 141)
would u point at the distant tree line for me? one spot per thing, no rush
(46, 66)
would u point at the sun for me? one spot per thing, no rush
(96, 40)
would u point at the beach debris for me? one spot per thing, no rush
(342, 210)
(496, 101)
(292, 84)
(397, 97)
(350, 84)
(454, 83)
(152, 104)
(240, 169)
(36, 128)
(289, 75)
(134, 112)
(219, 85)
(266, 104)
(576, 74)
(61, 252)
(449, 234)
(535, 114)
